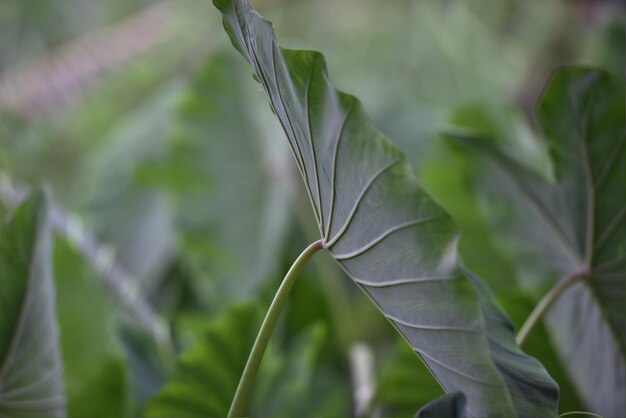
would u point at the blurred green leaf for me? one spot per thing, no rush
(404, 384)
(95, 371)
(136, 221)
(103, 391)
(573, 225)
(148, 363)
(207, 373)
(229, 190)
(447, 175)
(31, 369)
(396, 243)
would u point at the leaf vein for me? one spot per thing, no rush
(313, 153)
(452, 369)
(431, 327)
(384, 235)
(366, 187)
(334, 169)
(611, 227)
(398, 282)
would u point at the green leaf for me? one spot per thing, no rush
(570, 223)
(94, 371)
(203, 386)
(31, 371)
(449, 405)
(103, 392)
(227, 174)
(388, 235)
(446, 178)
(404, 384)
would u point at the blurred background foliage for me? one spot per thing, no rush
(178, 208)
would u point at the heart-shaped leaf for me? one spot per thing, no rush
(31, 380)
(388, 235)
(573, 225)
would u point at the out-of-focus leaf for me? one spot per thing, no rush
(229, 189)
(293, 383)
(94, 370)
(404, 384)
(146, 368)
(390, 237)
(135, 220)
(31, 369)
(447, 175)
(202, 385)
(573, 225)
(449, 405)
(103, 392)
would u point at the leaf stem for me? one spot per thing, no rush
(240, 401)
(543, 305)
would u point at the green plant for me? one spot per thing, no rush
(393, 241)
(211, 214)
(567, 230)
(384, 231)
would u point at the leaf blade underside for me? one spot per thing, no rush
(573, 225)
(31, 370)
(388, 235)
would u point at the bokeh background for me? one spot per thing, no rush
(177, 207)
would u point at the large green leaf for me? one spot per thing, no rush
(217, 169)
(31, 371)
(388, 235)
(445, 175)
(572, 224)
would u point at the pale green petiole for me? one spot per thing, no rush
(242, 396)
(543, 306)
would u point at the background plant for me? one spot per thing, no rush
(108, 144)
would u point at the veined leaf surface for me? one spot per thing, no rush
(31, 380)
(573, 225)
(388, 235)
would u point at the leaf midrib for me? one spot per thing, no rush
(591, 221)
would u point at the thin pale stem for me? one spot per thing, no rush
(543, 305)
(240, 401)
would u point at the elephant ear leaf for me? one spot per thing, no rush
(387, 234)
(570, 226)
(31, 379)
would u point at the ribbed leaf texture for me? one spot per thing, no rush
(31, 378)
(386, 233)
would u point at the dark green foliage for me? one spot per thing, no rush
(568, 220)
(449, 405)
(31, 369)
(207, 374)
